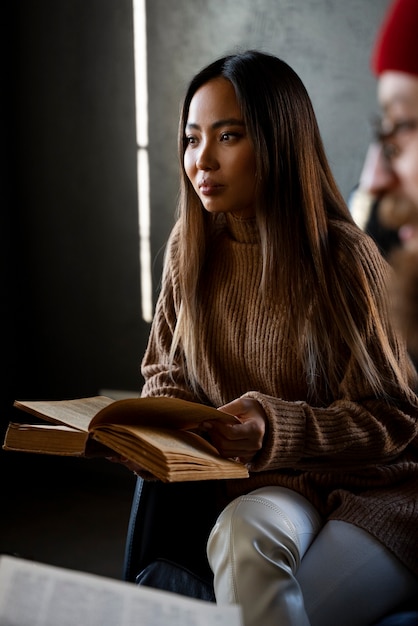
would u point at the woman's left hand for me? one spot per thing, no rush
(240, 440)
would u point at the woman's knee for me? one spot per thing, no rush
(268, 521)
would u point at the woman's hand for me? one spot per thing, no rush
(241, 439)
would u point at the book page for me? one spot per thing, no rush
(33, 594)
(76, 413)
(161, 412)
(87, 413)
(45, 439)
(170, 455)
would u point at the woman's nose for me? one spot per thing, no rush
(206, 158)
(377, 176)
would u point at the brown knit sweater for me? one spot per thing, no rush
(355, 457)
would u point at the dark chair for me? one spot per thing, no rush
(167, 534)
(168, 529)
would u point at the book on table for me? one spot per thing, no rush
(159, 434)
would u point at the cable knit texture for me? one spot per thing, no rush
(355, 456)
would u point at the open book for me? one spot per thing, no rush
(32, 593)
(154, 433)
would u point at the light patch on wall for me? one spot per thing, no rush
(141, 103)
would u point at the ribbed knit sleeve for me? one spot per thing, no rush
(344, 435)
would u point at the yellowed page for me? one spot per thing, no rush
(45, 439)
(168, 454)
(77, 413)
(161, 412)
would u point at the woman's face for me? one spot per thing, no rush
(219, 159)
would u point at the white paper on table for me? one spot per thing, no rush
(35, 594)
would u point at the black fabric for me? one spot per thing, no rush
(171, 521)
(407, 618)
(163, 574)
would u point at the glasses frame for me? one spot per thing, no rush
(386, 133)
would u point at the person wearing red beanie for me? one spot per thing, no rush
(388, 184)
(390, 171)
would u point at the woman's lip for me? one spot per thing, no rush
(209, 189)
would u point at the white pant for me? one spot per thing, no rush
(258, 551)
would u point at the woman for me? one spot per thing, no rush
(273, 309)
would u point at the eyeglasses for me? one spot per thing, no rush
(392, 136)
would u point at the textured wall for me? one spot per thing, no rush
(327, 42)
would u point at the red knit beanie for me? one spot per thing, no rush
(396, 46)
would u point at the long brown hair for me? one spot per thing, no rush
(299, 210)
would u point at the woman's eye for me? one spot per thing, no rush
(190, 140)
(228, 136)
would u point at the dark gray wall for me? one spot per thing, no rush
(70, 277)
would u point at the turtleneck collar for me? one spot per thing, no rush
(242, 230)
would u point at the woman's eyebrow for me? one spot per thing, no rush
(230, 121)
